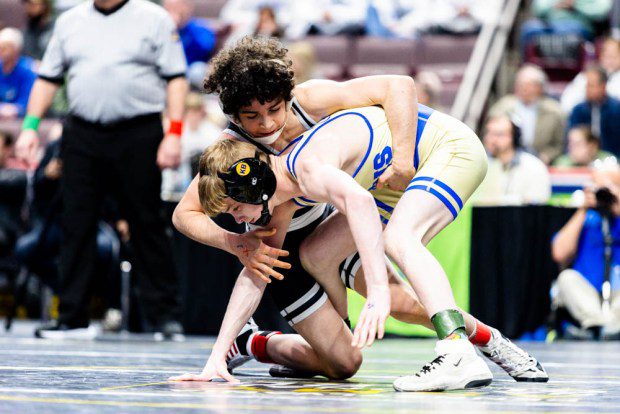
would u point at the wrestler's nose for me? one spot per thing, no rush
(268, 123)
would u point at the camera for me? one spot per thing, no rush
(605, 200)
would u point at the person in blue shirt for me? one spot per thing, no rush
(600, 111)
(579, 247)
(197, 37)
(16, 75)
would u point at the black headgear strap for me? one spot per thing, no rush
(251, 181)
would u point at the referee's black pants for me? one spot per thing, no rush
(119, 161)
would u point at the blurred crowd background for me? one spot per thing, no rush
(539, 80)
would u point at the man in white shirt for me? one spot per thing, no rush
(514, 177)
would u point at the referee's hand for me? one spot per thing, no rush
(27, 147)
(169, 152)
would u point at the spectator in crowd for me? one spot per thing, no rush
(565, 17)
(514, 176)
(409, 18)
(113, 140)
(583, 149)
(542, 121)
(12, 193)
(198, 133)
(304, 61)
(197, 37)
(325, 17)
(267, 23)
(39, 25)
(244, 16)
(600, 111)
(579, 249)
(462, 16)
(429, 88)
(297, 18)
(575, 92)
(404, 19)
(16, 75)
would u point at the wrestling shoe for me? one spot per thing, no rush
(280, 371)
(238, 353)
(57, 330)
(457, 367)
(515, 361)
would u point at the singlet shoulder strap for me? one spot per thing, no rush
(303, 117)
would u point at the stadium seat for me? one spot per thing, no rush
(333, 54)
(446, 49)
(447, 72)
(374, 55)
(208, 8)
(561, 57)
(12, 14)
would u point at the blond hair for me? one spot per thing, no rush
(218, 158)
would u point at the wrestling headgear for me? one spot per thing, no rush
(251, 181)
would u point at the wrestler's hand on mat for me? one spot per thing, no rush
(214, 369)
(169, 152)
(257, 257)
(396, 178)
(371, 322)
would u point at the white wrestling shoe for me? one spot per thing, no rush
(457, 367)
(515, 361)
(238, 353)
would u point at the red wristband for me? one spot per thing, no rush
(175, 127)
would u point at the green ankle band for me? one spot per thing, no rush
(448, 321)
(31, 122)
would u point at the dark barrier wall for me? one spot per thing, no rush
(511, 266)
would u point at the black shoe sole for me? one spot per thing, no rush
(290, 373)
(531, 379)
(479, 383)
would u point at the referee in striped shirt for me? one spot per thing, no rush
(123, 63)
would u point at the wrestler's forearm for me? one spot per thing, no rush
(244, 300)
(368, 240)
(189, 219)
(401, 108)
(326, 182)
(199, 227)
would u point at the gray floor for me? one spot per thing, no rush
(129, 375)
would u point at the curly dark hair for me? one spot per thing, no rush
(254, 68)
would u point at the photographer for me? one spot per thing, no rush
(579, 248)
